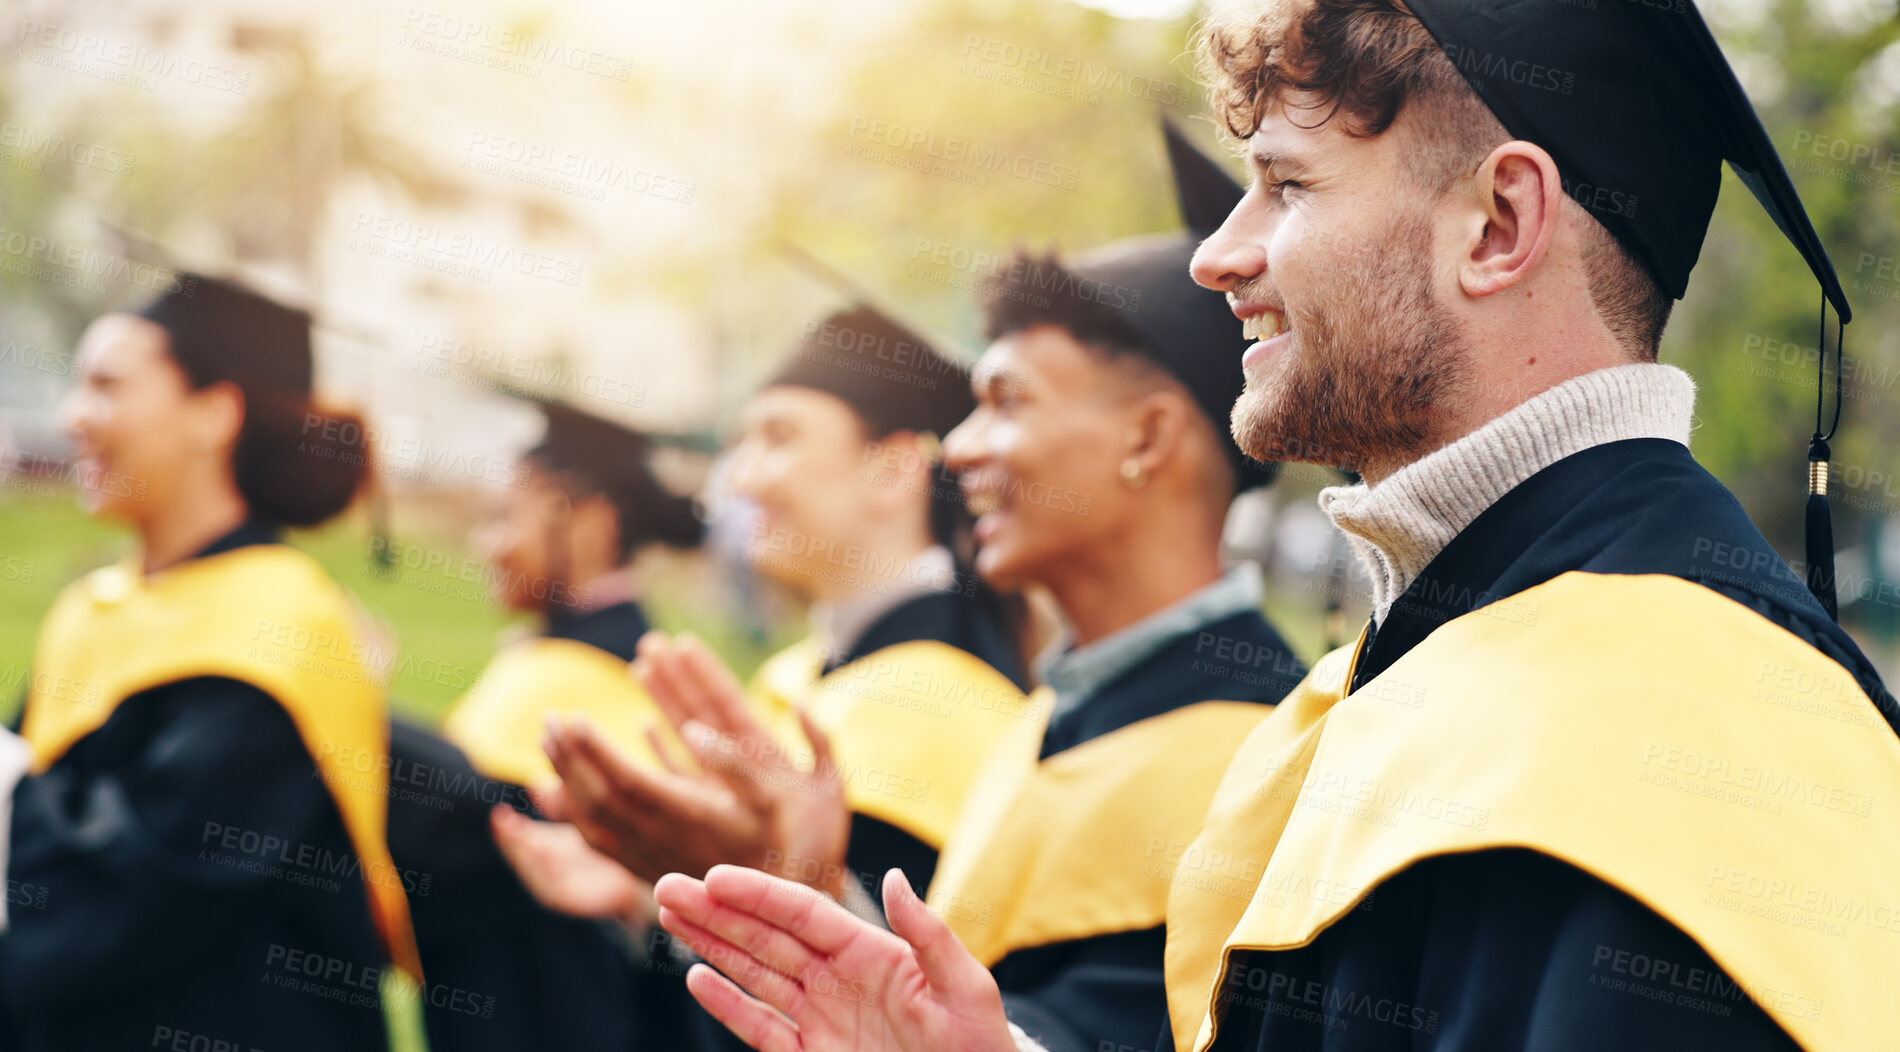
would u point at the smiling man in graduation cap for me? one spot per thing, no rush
(1602, 771)
(1057, 876)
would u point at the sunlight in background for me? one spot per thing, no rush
(593, 196)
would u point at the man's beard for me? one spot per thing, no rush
(1362, 381)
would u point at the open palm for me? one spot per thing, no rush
(798, 808)
(564, 872)
(816, 979)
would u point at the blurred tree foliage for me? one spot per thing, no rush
(1074, 94)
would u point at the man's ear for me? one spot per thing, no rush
(1157, 428)
(593, 523)
(900, 465)
(1518, 196)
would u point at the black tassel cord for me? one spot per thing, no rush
(1820, 527)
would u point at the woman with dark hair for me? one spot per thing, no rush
(204, 823)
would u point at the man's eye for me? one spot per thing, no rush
(1283, 185)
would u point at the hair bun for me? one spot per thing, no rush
(298, 464)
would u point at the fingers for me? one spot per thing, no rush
(823, 768)
(597, 778)
(754, 1023)
(515, 839)
(740, 935)
(531, 851)
(505, 823)
(586, 784)
(808, 915)
(758, 978)
(662, 749)
(687, 682)
(721, 694)
(639, 818)
(738, 768)
(947, 966)
(656, 665)
(552, 801)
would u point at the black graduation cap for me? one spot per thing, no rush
(1635, 102)
(218, 328)
(1637, 105)
(1188, 330)
(611, 459)
(884, 371)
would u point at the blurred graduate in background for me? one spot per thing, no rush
(911, 674)
(840, 457)
(204, 823)
(559, 541)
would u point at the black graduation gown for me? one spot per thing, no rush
(503, 972)
(1104, 993)
(131, 923)
(1503, 949)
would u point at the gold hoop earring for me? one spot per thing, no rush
(1132, 475)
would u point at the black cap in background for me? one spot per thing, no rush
(890, 376)
(611, 459)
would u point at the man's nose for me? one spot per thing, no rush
(963, 446)
(1232, 254)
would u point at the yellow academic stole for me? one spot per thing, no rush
(266, 615)
(909, 726)
(783, 680)
(1661, 737)
(499, 723)
(1084, 843)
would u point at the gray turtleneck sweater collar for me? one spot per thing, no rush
(1403, 522)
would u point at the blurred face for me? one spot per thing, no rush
(515, 539)
(1039, 459)
(137, 426)
(802, 460)
(519, 534)
(1328, 261)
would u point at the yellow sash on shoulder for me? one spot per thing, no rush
(783, 680)
(499, 723)
(1653, 733)
(266, 615)
(909, 726)
(1085, 842)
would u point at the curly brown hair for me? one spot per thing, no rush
(1362, 62)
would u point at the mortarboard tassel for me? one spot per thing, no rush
(1820, 528)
